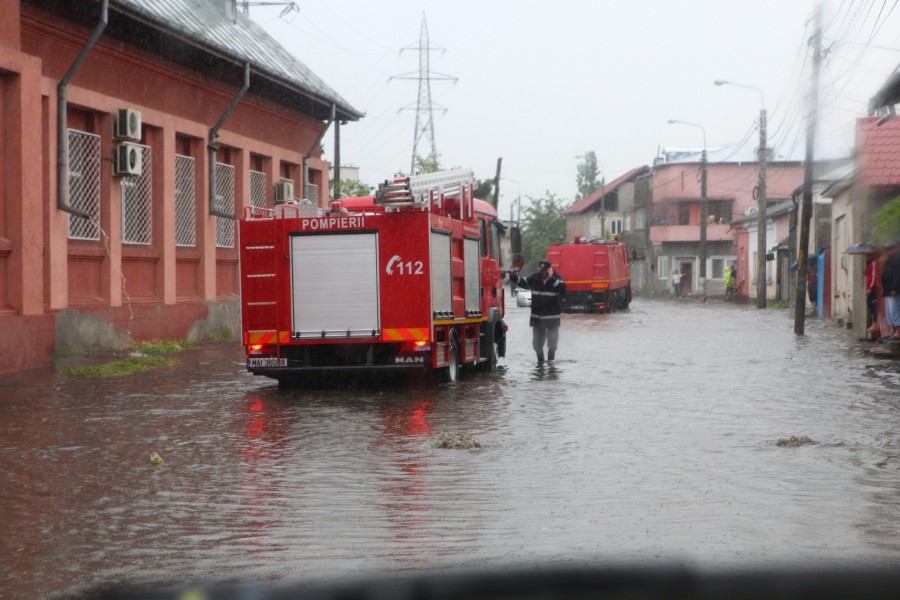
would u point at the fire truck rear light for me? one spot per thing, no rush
(421, 343)
(256, 347)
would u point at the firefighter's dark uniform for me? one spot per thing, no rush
(546, 303)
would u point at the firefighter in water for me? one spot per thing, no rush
(547, 288)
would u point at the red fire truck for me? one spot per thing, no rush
(597, 274)
(406, 280)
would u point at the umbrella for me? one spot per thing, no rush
(861, 249)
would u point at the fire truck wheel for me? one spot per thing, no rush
(450, 374)
(489, 351)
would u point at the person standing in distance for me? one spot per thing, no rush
(547, 288)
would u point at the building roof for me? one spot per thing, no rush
(878, 147)
(203, 24)
(734, 153)
(889, 94)
(588, 202)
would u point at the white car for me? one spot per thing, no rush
(523, 297)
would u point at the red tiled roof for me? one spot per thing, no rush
(879, 151)
(586, 203)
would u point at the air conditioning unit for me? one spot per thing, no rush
(127, 125)
(284, 191)
(128, 160)
(750, 211)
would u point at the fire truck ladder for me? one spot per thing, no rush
(417, 189)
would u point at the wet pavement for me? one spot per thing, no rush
(653, 439)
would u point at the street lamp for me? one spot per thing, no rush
(517, 201)
(702, 207)
(762, 200)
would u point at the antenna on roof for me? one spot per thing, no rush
(289, 7)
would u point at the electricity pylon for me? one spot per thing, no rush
(424, 106)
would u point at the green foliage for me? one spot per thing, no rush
(427, 164)
(156, 347)
(587, 178)
(542, 225)
(347, 188)
(484, 190)
(133, 364)
(220, 336)
(886, 222)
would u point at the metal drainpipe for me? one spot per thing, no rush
(313, 149)
(62, 142)
(213, 147)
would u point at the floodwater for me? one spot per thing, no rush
(653, 439)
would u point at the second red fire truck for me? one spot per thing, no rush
(406, 280)
(597, 274)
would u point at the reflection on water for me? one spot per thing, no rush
(653, 437)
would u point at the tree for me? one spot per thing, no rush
(484, 190)
(427, 164)
(348, 188)
(542, 225)
(587, 179)
(886, 222)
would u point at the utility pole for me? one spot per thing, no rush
(703, 209)
(761, 214)
(497, 184)
(703, 218)
(806, 206)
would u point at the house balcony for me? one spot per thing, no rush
(690, 233)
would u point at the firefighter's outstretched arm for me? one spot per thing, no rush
(522, 282)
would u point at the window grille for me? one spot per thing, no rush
(225, 204)
(312, 193)
(185, 201)
(640, 218)
(257, 189)
(615, 226)
(84, 184)
(137, 204)
(718, 268)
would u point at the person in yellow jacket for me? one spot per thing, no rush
(731, 289)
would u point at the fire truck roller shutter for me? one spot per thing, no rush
(441, 277)
(473, 275)
(334, 285)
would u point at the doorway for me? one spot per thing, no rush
(687, 277)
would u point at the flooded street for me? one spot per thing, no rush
(653, 439)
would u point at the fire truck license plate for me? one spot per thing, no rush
(268, 362)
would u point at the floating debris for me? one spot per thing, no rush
(456, 441)
(794, 441)
(156, 459)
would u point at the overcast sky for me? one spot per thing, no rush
(541, 83)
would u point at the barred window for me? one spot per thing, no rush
(185, 201)
(718, 268)
(84, 184)
(640, 218)
(224, 204)
(662, 267)
(257, 189)
(312, 193)
(137, 204)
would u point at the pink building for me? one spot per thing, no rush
(124, 231)
(675, 216)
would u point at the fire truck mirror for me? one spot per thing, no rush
(518, 261)
(515, 240)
